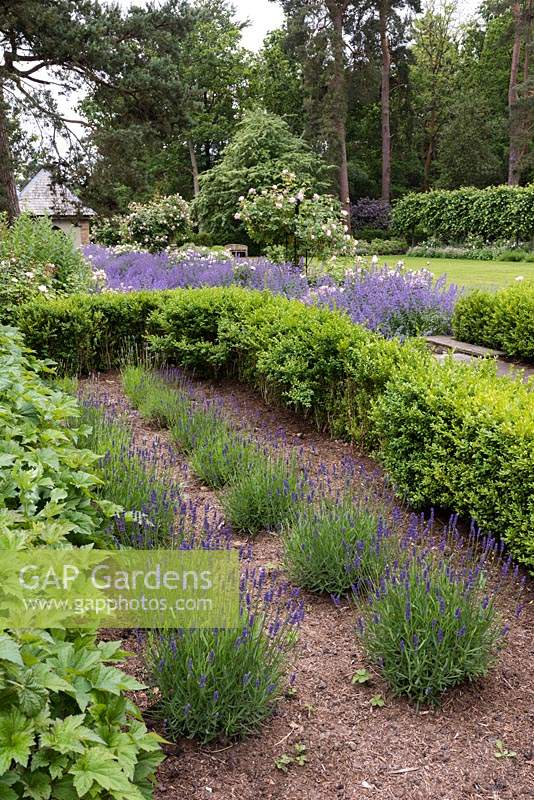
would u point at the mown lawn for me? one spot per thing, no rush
(473, 274)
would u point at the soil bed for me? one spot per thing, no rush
(354, 751)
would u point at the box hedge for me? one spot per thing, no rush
(503, 320)
(443, 432)
(458, 436)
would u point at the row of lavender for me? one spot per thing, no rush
(392, 301)
(425, 600)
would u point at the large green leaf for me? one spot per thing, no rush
(9, 650)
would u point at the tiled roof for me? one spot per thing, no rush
(42, 197)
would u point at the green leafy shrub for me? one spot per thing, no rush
(226, 682)
(382, 247)
(497, 212)
(514, 320)
(513, 255)
(88, 333)
(457, 436)
(473, 319)
(49, 481)
(503, 320)
(36, 260)
(431, 627)
(434, 249)
(336, 544)
(66, 726)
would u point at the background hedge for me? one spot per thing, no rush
(503, 320)
(451, 436)
(453, 216)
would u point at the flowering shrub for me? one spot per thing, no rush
(153, 226)
(159, 223)
(432, 623)
(289, 214)
(36, 260)
(226, 682)
(394, 302)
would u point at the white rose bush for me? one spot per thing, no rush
(290, 215)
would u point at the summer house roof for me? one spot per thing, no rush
(42, 197)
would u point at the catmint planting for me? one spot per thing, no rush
(391, 300)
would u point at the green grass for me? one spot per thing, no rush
(473, 274)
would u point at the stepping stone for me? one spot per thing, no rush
(463, 347)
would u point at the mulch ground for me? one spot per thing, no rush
(354, 751)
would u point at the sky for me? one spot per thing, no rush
(265, 16)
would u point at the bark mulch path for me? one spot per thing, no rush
(354, 751)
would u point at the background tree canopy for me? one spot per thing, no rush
(372, 97)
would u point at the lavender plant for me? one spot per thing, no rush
(393, 302)
(335, 544)
(265, 496)
(158, 401)
(222, 457)
(432, 623)
(218, 455)
(133, 477)
(226, 682)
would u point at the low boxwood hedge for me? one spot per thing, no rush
(503, 320)
(458, 436)
(449, 435)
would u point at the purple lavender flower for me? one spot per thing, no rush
(393, 302)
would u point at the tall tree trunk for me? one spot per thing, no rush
(9, 200)
(336, 10)
(429, 154)
(385, 102)
(194, 168)
(526, 122)
(514, 156)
